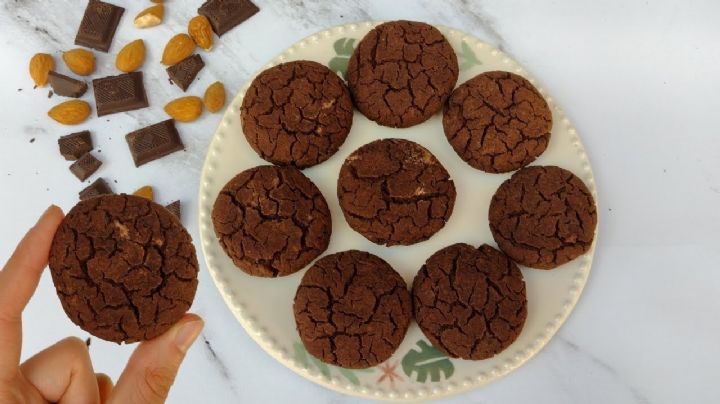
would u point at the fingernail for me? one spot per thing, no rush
(187, 333)
(47, 212)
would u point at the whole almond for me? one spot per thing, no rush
(40, 66)
(184, 109)
(201, 32)
(70, 112)
(145, 192)
(80, 61)
(131, 56)
(214, 98)
(150, 17)
(178, 48)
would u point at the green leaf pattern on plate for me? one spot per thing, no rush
(305, 360)
(467, 57)
(343, 50)
(427, 361)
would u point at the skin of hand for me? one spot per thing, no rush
(63, 373)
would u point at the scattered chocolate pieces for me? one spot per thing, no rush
(66, 86)
(98, 25)
(74, 145)
(121, 93)
(152, 142)
(225, 15)
(98, 187)
(174, 208)
(183, 73)
(85, 166)
(144, 192)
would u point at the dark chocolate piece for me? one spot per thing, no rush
(224, 15)
(66, 86)
(98, 25)
(183, 73)
(74, 145)
(174, 208)
(97, 188)
(85, 166)
(121, 93)
(152, 142)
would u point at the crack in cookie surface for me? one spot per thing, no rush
(352, 309)
(395, 192)
(497, 122)
(470, 303)
(124, 268)
(297, 113)
(543, 217)
(401, 73)
(271, 221)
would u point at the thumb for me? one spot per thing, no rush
(151, 370)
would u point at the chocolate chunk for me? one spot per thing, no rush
(85, 166)
(183, 73)
(97, 188)
(98, 25)
(224, 15)
(174, 208)
(152, 142)
(74, 145)
(66, 86)
(121, 93)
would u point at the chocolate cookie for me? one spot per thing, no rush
(352, 309)
(297, 113)
(497, 122)
(124, 267)
(543, 217)
(401, 73)
(271, 221)
(469, 302)
(394, 191)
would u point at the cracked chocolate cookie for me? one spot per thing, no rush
(497, 122)
(296, 113)
(401, 73)
(271, 221)
(352, 309)
(470, 302)
(124, 268)
(543, 217)
(395, 192)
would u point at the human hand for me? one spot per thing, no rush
(63, 373)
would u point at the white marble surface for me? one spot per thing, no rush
(638, 79)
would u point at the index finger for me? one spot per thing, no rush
(18, 281)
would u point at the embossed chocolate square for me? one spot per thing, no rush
(152, 142)
(121, 93)
(98, 25)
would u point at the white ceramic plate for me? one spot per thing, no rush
(416, 371)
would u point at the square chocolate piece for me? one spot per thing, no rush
(74, 145)
(85, 166)
(152, 142)
(66, 86)
(98, 25)
(225, 15)
(97, 188)
(183, 73)
(121, 93)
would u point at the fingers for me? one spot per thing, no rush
(151, 370)
(18, 281)
(105, 386)
(63, 373)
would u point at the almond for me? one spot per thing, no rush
(184, 109)
(80, 61)
(40, 66)
(145, 192)
(131, 56)
(150, 17)
(201, 32)
(178, 48)
(214, 98)
(157, 1)
(70, 112)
